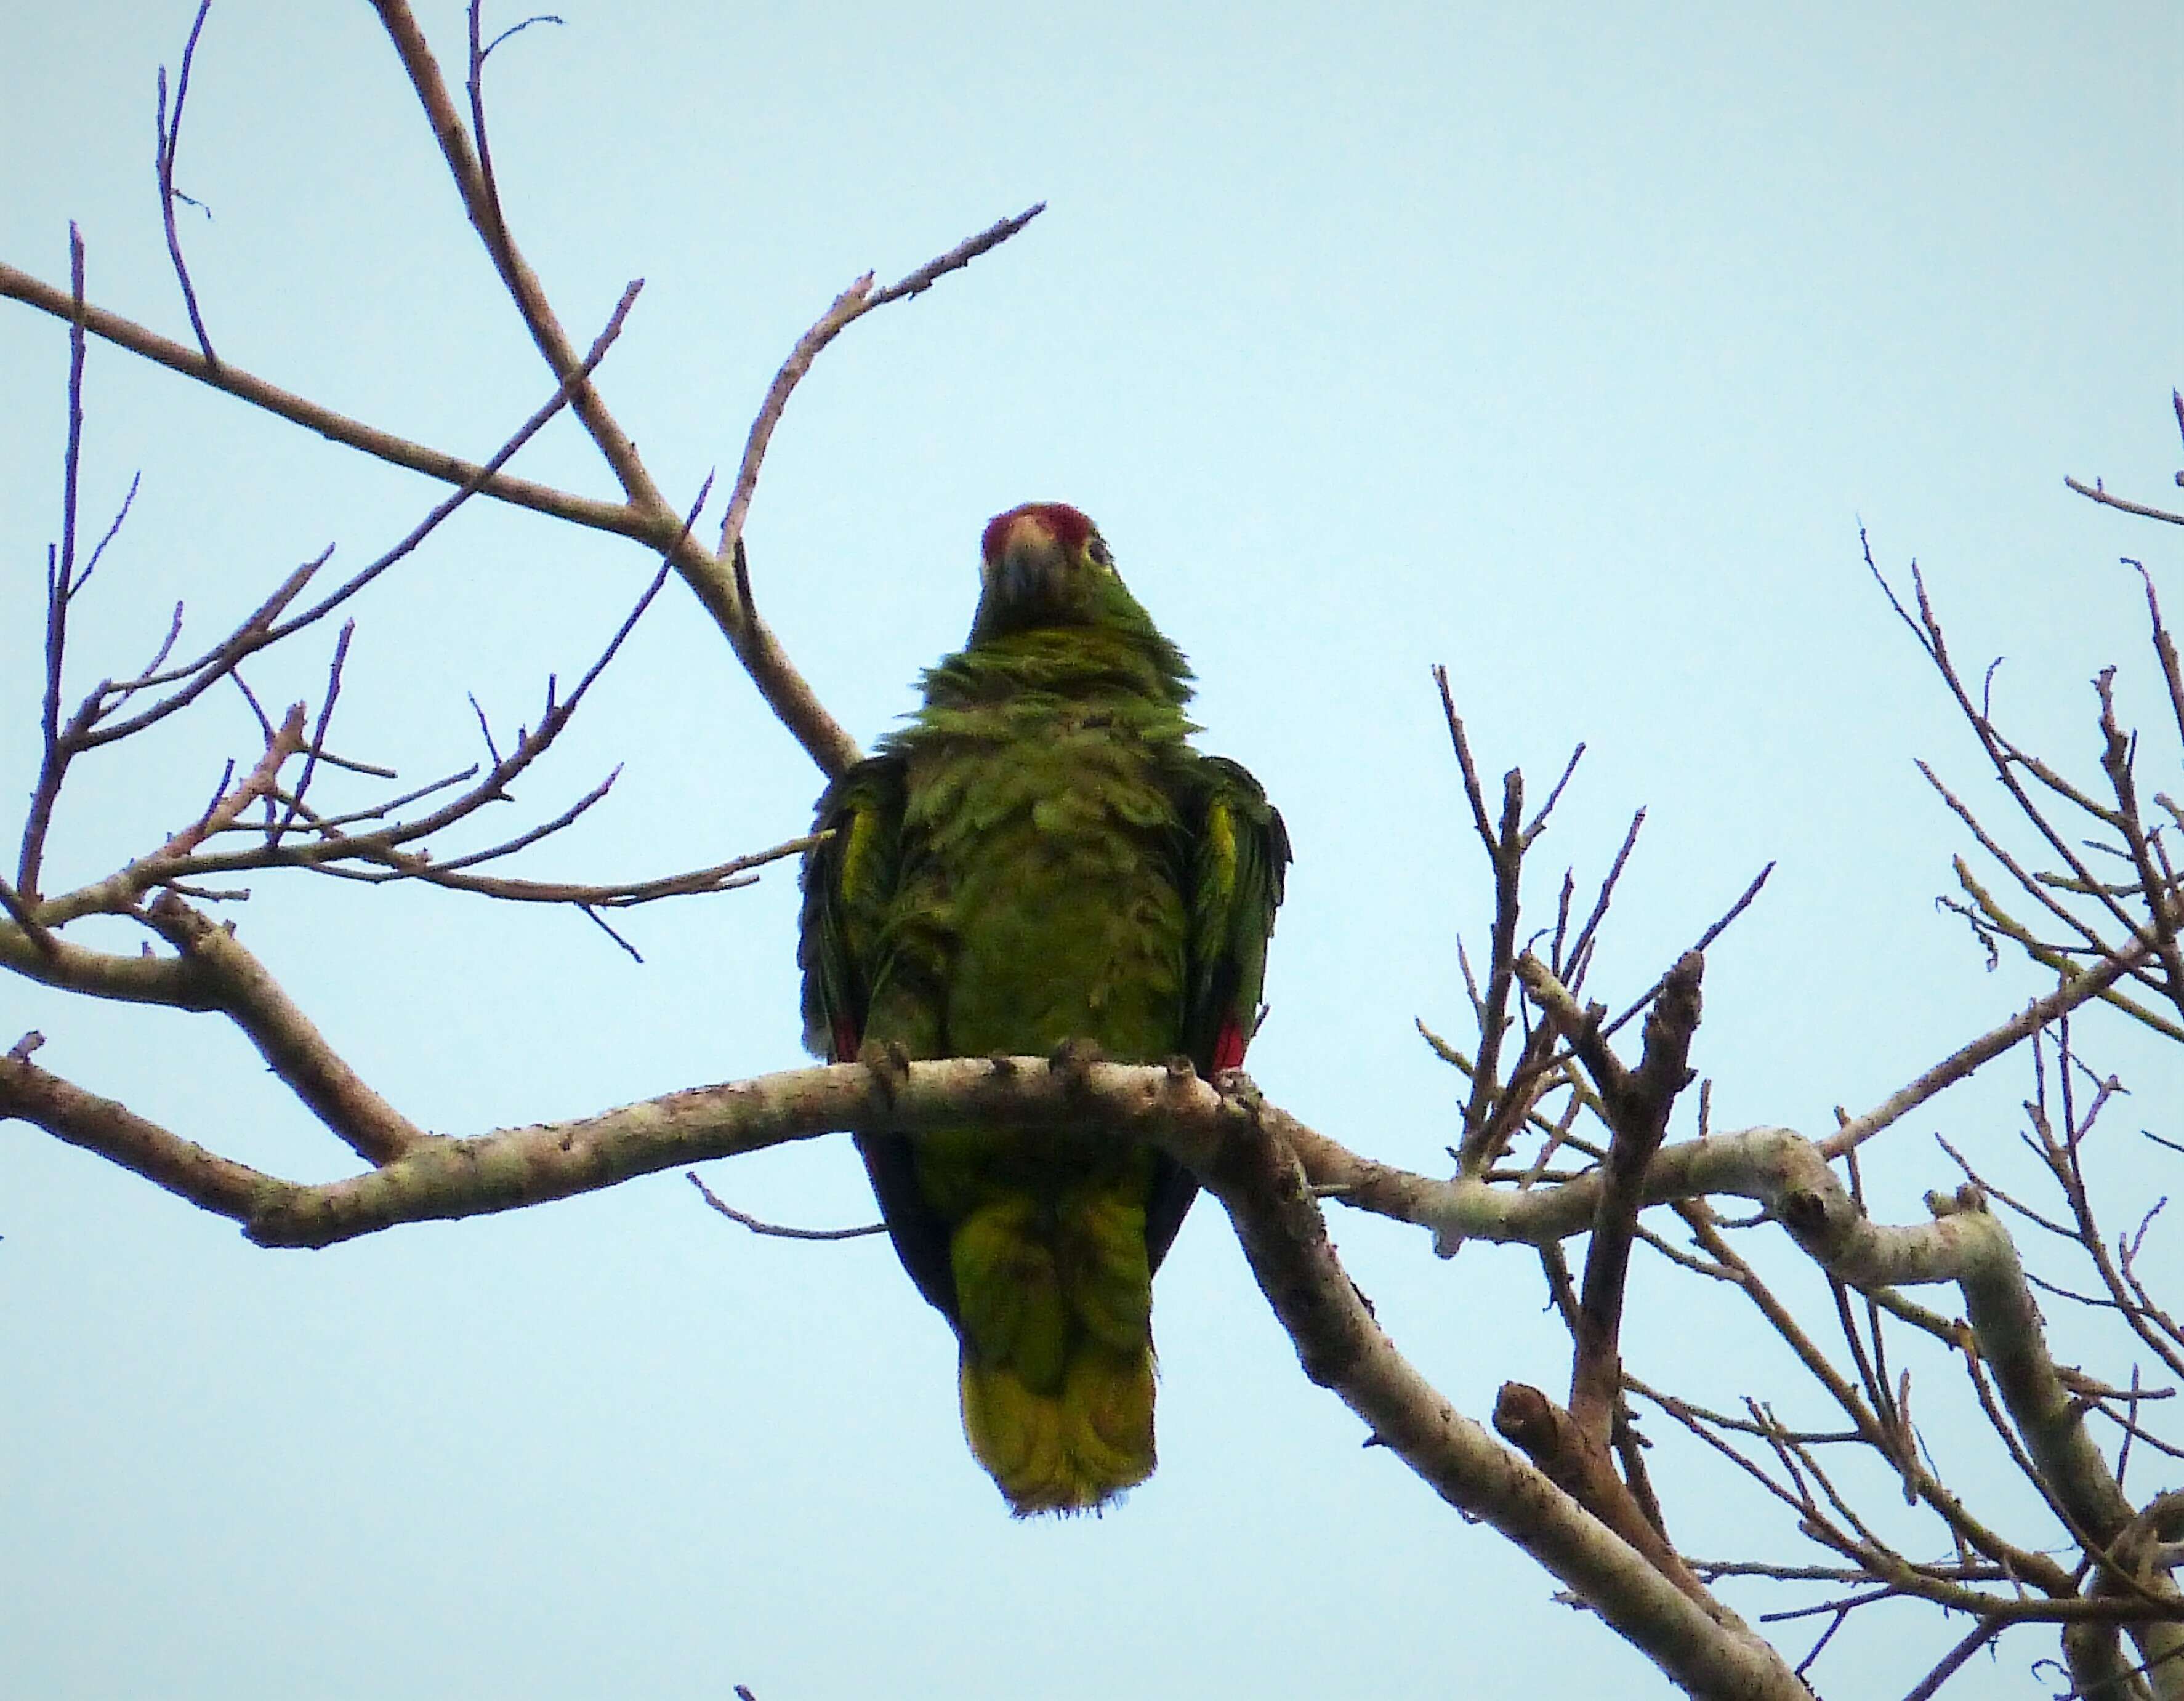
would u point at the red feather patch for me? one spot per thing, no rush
(1228, 1046)
(845, 1042)
(1069, 526)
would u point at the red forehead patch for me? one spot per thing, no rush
(1069, 526)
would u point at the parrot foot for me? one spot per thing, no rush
(889, 1064)
(1074, 1057)
(1234, 1083)
(1181, 1071)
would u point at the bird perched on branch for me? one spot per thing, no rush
(1039, 861)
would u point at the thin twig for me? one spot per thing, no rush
(853, 303)
(317, 733)
(615, 517)
(1988, 1046)
(2095, 493)
(170, 139)
(265, 627)
(60, 578)
(756, 1226)
(113, 530)
(1705, 939)
(1981, 1634)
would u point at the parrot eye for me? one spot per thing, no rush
(1097, 550)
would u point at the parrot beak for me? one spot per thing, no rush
(1029, 569)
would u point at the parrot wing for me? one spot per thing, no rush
(849, 883)
(1239, 858)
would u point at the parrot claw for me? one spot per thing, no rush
(1074, 1057)
(889, 1064)
(1234, 1083)
(1181, 1071)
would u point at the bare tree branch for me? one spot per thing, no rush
(169, 140)
(776, 1231)
(853, 303)
(600, 516)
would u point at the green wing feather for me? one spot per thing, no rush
(849, 886)
(1239, 868)
(851, 880)
(1239, 856)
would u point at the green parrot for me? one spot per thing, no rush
(1038, 857)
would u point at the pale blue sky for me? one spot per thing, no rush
(1566, 346)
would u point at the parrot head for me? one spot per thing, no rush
(1049, 588)
(1045, 564)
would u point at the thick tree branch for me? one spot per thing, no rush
(236, 983)
(1248, 1155)
(1258, 1180)
(1637, 1104)
(1553, 1439)
(119, 1135)
(1789, 1175)
(1573, 1446)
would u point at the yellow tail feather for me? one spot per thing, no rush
(1070, 1452)
(1054, 1310)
